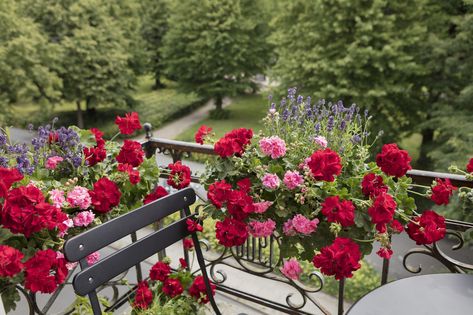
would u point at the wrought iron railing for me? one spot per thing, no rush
(260, 257)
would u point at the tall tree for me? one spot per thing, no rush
(451, 89)
(215, 47)
(155, 14)
(357, 51)
(95, 53)
(25, 59)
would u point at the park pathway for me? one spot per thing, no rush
(176, 127)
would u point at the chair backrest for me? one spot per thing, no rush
(91, 277)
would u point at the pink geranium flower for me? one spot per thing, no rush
(300, 224)
(261, 207)
(79, 197)
(288, 228)
(93, 258)
(291, 269)
(321, 141)
(271, 181)
(273, 146)
(262, 229)
(57, 197)
(84, 218)
(52, 162)
(293, 180)
(67, 225)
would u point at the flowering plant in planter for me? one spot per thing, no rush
(66, 181)
(307, 178)
(169, 292)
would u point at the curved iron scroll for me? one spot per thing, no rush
(455, 230)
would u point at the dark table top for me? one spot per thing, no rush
(436, 294)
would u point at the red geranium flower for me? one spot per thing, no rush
(8, 176)
(159, 192)
(129, 123)
(25, 211)
(396, 226)
(382, 211)
(342, 212)
(442, 192)
(133, 175)
(10, 261)
(94, 155)
(180, 176)
(234, 142)
(340, 259)
(372, 185)
(384, 252)
(201, 133)
(427, 229)
(131, 153)
(198, 290)
(160, 271)
(188, 243)
(98, 136)
(193, 226)
(172, 287)
(98, 153)
(45, 271)
(393, 161)
(324, 164)
(53, 137)
(469, 167)
(218, 193)
(231, 232)
(244, 184)
(105, 195)
(183, 263)
(239, 204)
(143, 296)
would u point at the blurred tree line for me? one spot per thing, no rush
(410, 62)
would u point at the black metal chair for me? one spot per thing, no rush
(92, 277)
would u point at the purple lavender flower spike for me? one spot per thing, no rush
(3, 161)
(283, 102)
(307, 101)
(285, 114)
(330, 123)
(317, 128)
(356, 139)
(343, 125)
(3, 139)
(300, 98)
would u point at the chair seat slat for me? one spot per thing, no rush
(89, 279)
(82, 245)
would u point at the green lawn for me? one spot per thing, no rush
(153, 106)
(246, 111)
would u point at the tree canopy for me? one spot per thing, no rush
(214, 47)
(356, 51)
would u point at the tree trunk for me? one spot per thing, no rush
(157, 83)
(219, 103)
(424, 162)
(89, 108)
(80, 116)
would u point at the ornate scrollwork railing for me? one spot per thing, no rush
(252, 258)
(260, 257)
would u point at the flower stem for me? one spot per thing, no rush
(416, 193)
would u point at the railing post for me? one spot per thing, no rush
(341, 293)
(385, 272)
(139, 273)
